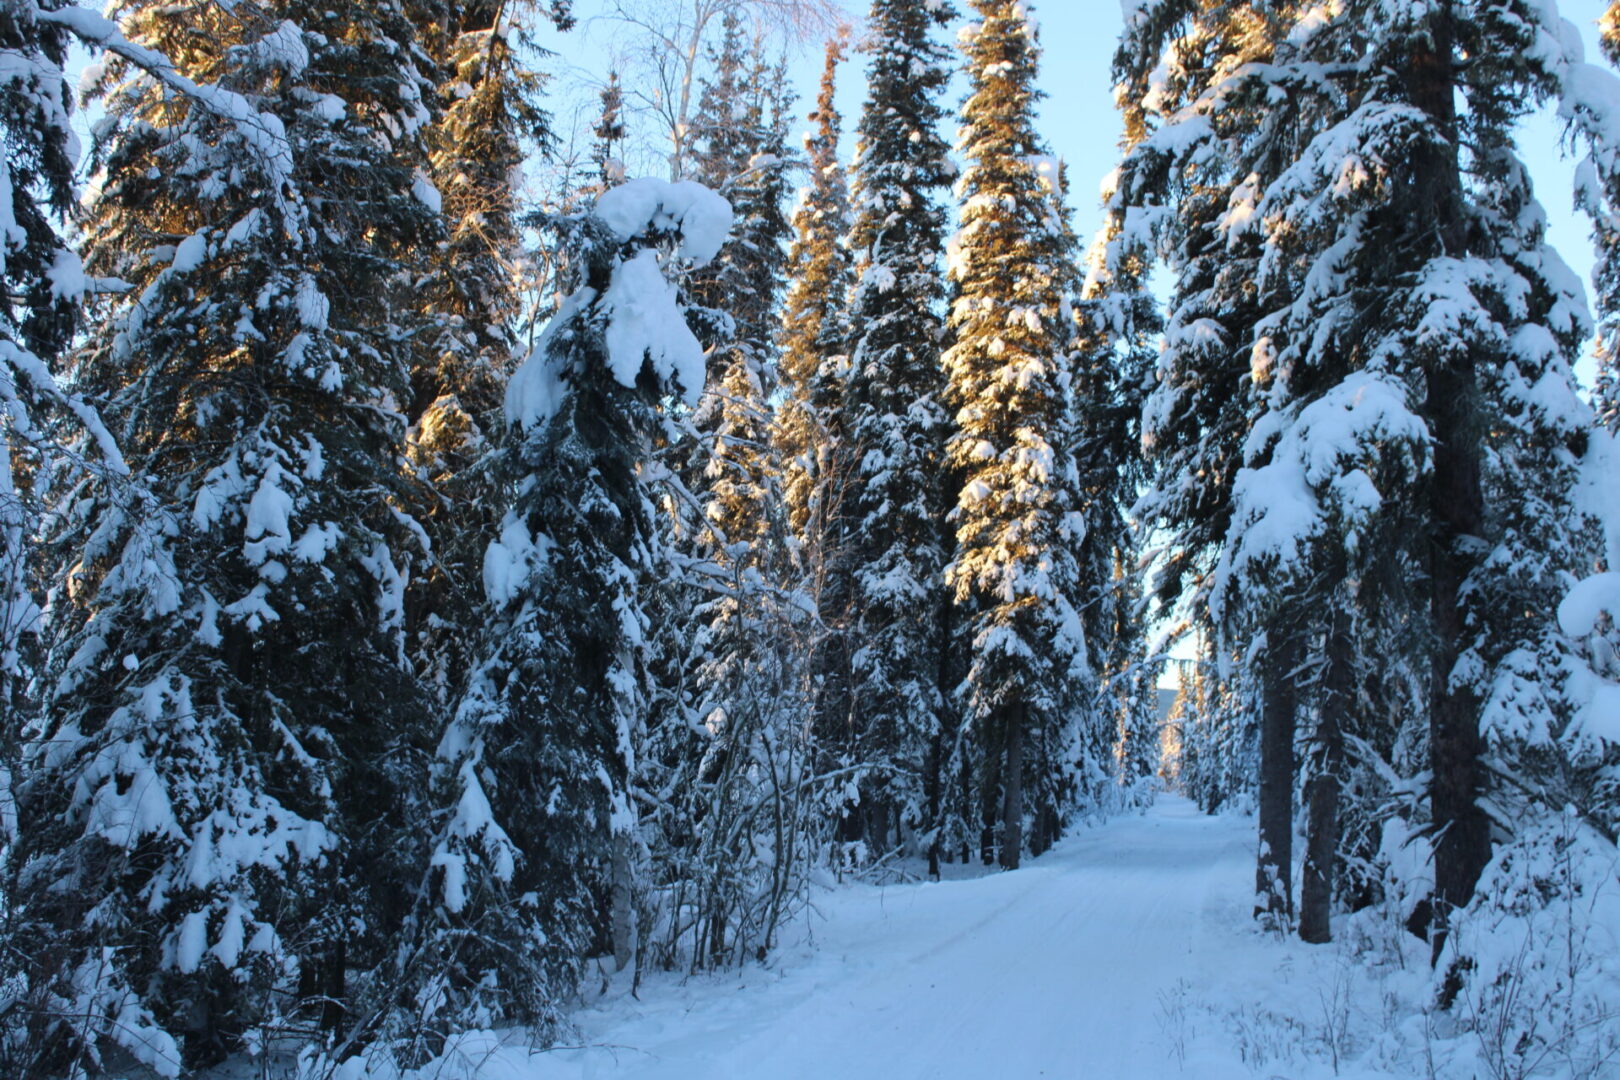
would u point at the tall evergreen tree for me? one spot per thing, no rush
(1585, 770)
(51, 439)
(1387, 460)
(44, 285)
(817, 463)
(895, 425)
(536, 866)
(1174, 62)
(741, 152)
(488, 119)
(1546, 463)
(1118, 347)
(1313, 530)
(815, 332)
(735, 743)
(232, 847)
(1031, 688)
(1500, 452)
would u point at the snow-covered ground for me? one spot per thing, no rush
(1126, 953)
(1051, 971)
(1102, 960)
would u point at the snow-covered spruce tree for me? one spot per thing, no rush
(1585, 767)
(895, 426)
(1193, 410)
(1479, 306)
(1489, 320)
(740, 152)
(1537, 719)
(609, 133)
(488, 116)
(1030, 694)
(815, 328)
(38, 315)
(1239, 144)
(1580, 764)
(34, 114)
(718, 144)
(535, 868)
(738, 776)
(1119, 326)
(1392, 448)
(809, 435)
(1183, 171)
(1545, 722)
(1319, 537)
(1110, 341)
(50, 439)
(230, 844)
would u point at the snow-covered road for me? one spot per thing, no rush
(1066, 968)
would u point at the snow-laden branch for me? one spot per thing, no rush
(264, 133)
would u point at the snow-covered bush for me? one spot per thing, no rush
(1534, 963)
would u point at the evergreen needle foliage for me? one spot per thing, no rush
(380, 680)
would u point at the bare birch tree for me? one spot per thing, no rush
(666, 43)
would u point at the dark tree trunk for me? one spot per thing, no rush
(1012, 790)
(622, 900)
(877, 828)
(1274, 896)
(1322, 842)
(935, 781)
(334, 989)
(936, 751)
(989, 809)
(1462, 831)
(1462, 842)
(1323, 792)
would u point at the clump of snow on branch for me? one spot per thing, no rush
(641, 313)
(699, 219)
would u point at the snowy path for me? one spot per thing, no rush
(1056, 970)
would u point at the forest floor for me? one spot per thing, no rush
(1125, 953)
